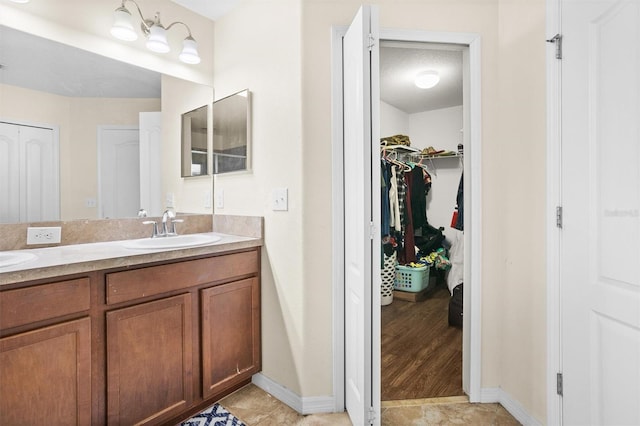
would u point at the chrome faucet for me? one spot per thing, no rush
(168, 225)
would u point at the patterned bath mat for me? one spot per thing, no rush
(215, 415)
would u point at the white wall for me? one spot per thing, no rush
(393, 121)
(441, 129)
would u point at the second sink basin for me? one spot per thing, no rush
(176, 241)
(15, 258)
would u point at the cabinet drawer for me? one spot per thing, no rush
(31, 304)
(130, 285)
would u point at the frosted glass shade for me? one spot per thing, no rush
(427, 79)
(157, 41)
(189, 54)
(123, 26)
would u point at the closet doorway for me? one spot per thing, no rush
(422, 133)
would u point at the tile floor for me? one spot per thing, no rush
(257, 408)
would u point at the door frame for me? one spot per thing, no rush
(472, 330)
(554, 199)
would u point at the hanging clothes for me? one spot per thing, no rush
(395, 222)
(409, 241)
(459, 225)
(418, 198)
(385, 183)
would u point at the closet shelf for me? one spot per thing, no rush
(435, 157)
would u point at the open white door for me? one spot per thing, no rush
(362, 218)
(600, 239)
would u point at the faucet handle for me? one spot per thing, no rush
(173, 226)
(155, 227)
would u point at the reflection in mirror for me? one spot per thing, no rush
(194, 142)
(231, 117)
(94, 105)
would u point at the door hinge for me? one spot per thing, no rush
(372, 230)
(372, 41)
(372, 415)
(559, 383)
(559, 217)
(557, 40)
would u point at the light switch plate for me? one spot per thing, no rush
(219, 199)
(280, 199)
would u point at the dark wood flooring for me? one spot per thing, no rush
(421, 353)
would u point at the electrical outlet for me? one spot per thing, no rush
(90, 202)
(44, 235)
(207, 199)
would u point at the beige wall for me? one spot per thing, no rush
(513, 150)
(281, 50)
(180, 96)
(257, 47)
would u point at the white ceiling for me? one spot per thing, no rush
(36, 63)
(212, 9)
(401, 62)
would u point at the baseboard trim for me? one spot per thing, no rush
(493, 395)
(303, 405)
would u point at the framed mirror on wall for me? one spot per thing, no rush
(195, 153)
(231, 133)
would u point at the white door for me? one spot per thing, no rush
(9, 173)
(362, 218)
(151, 163)
(29, 190)
(600, 243)
(119, 171)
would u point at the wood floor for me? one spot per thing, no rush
(421, 353)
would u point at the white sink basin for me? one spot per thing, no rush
(177, 241)
(11, 258)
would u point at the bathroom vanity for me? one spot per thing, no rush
(132, 338)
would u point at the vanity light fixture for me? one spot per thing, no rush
(155, 32)
(427, 79)
(20, 1)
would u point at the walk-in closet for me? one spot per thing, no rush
(422, 209)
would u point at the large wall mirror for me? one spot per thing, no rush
(95, 107)
(231, 133)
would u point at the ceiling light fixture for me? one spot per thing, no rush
(155, 32)
(427, 79)
(20, 1)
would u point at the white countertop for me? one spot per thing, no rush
(79, 258)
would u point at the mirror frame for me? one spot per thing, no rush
(194, 156)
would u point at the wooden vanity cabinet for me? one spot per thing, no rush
(197, 338)
(45, 355)
(149, 364)
(230, 335)
(150, 344)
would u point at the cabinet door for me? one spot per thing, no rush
(45, 376)
(149, 351)
(230, 334)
